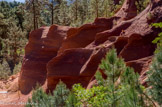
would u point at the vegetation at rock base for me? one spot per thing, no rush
(41, 99)
(155, 77)
(121, 88)
(155, 72)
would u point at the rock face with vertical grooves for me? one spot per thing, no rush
(72, 55)
(42, 47)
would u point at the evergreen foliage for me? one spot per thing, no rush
(12, 34)
(141, 5)
(17, 20)
(155, 77)
(41, 99)
(60, 95)
(4, 70)
(158, 39)
(155, 72)
(121, 88)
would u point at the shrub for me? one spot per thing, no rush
(4, 70)
(41, 99)
(158, 40)
(17, 68)
(121, 88)
(155, 77)
(61, 94)
(155, 72)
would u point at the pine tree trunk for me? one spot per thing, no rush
(76, 11)
(34, 15)
(15, 49)
(52, 12)
(97, 9)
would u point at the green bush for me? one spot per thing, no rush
(61, 94)
(121, 88)
(4, 70)
(155, 72)
(41, 99)
(155, 77)
(158, 40)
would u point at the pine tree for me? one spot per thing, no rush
(35, 7)
(141, 4)
(158, 40)
(52, 11)
(12, 38)
(60, 95)
(71, 100)
(155, 77)
(63, 13)
(112, 67)
(4, 70)
(3, 25)
(41, 99)
(120, 88)
(96, 6)
(155, 72)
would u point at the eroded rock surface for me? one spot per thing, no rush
(42, 47)
(72, 55)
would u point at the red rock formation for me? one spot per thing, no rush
(128, 10)
(42, 47)
(141, 66)
(83, 36)
(83, 48)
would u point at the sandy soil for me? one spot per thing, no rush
(10, 95)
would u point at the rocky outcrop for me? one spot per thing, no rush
(141, 66)
(83, 36)
(128, 10)
(72, 55)
(42, 47)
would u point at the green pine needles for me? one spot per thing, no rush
(41, 99)
(120, 88)
(155, 77)
(61, 94)
(158, 40)
(112, 67)
(155, 72)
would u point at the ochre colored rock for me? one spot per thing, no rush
(137, 47)
(141, 66)
(42, 47)
(83, 36)
(72, 55)
(128, 10)
(67, 66)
